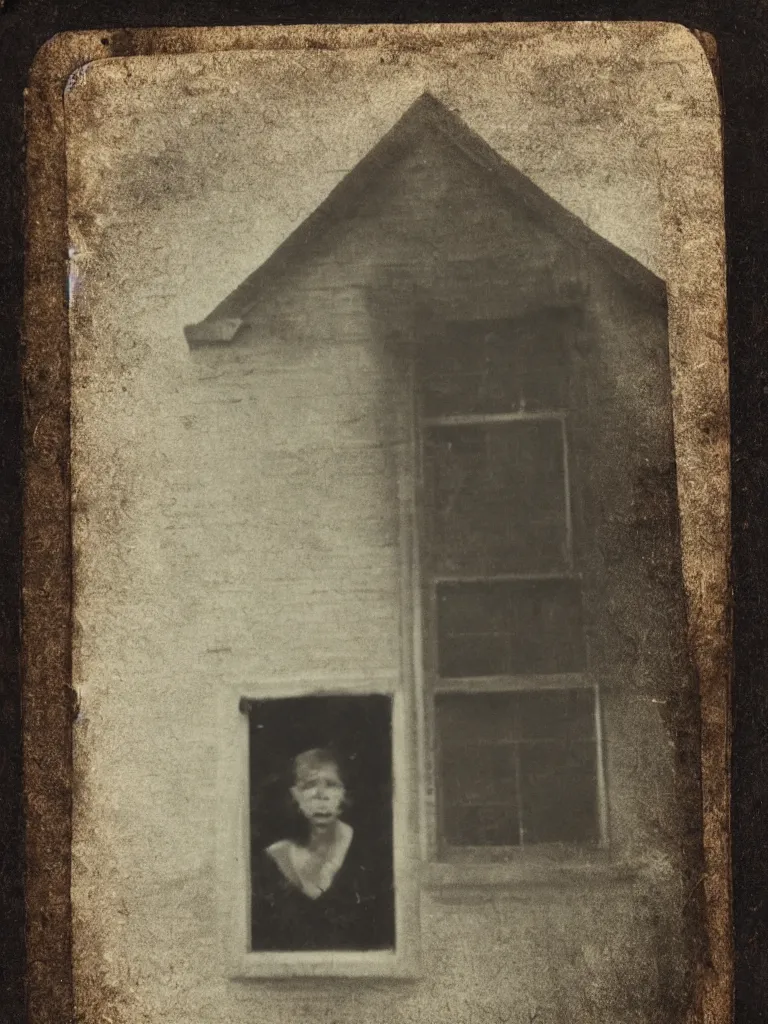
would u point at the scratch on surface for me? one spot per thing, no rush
(74, 276)
(77, 77)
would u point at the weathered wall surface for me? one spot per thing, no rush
(273, 551)
(236, 517)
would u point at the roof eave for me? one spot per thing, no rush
(212, 332)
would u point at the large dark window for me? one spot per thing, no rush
(514, 712)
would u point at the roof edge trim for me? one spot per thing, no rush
(212, 332)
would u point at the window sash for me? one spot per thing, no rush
(576, 663)
(424, 632)
(425, 423)
(442, 850)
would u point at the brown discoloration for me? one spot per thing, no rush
(47, 697)
(699, 366)
(709, 46)
(700, 382)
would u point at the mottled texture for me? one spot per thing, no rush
(167, 157)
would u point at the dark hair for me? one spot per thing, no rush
(316, 757)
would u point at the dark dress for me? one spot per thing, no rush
(355, 913)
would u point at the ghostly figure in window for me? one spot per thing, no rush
(322, 888)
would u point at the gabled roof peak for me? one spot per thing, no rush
(427, 103)
(426, 110)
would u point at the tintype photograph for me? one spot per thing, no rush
(399, 505)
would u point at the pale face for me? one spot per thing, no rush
(319, 793)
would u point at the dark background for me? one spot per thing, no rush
(741, 30)
(358, 731)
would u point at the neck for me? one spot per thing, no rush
(321, 837)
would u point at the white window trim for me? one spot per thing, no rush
(239, 963)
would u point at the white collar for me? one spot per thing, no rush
(292, 861)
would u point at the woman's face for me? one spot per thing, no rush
(319, 793)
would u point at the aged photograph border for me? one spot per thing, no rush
(48, 394)
(53, 68)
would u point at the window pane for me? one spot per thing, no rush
(512, 762)
(480, 773)
(492, 366)
(558, 784)
(471, 719)
(509, 627)
(481, 826)
(557, 714)
(496, 497)
(478, 769)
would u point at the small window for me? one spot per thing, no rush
(329, 760)
(347, 741)
(516, 757)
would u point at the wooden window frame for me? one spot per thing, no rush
(485, 864)
(239, 961)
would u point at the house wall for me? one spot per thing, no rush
(275, 545)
